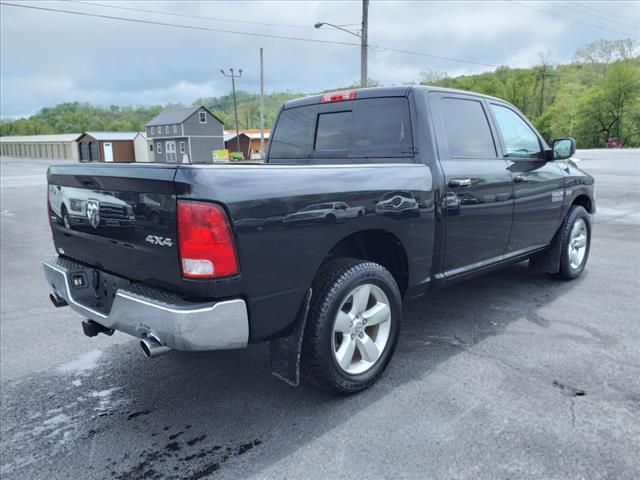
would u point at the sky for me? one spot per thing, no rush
(48, 57)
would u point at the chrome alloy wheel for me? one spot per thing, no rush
(361, 329)
(577, 247)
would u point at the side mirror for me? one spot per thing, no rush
(563, 148)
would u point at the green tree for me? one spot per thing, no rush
(609, 110)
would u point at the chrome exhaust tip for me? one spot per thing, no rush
(152, 347)
(57, 301)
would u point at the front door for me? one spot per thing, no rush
(538, 184)
(108, 151)
(171, 151)
(478, 188)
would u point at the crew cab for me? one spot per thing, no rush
(367, 198)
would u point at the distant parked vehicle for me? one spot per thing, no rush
(328, 212)
(614, 142)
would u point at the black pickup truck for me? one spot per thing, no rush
(367, 197)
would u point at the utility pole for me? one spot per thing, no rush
(261, 106)
(363, 48)
(235, 103)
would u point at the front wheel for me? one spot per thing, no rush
(352, 327)
(576, 243)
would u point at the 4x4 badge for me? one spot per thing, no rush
(162, 241)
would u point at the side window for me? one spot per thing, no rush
(467, 128)
(159, 147)
(153, 130)
(203, 117)
(519, 140)
(166, 129)
(175, 129)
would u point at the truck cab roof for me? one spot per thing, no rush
(380, 92)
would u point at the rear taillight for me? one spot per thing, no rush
(206, 244)
(338, 96)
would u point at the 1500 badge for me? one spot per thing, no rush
(557, 196)
(162, 241)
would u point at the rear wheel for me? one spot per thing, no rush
(576, 242)
(353, 325)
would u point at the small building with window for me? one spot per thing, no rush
(107, 147)
(249, 142)
(186, 135)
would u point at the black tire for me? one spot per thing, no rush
(567, 271)
(333, 283)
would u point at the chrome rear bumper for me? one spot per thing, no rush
(147, 312)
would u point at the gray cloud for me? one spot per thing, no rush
(49, 57)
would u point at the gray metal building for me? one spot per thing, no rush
(185, 135)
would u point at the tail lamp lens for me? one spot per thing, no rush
(206, 244)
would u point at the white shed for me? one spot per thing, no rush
(142, 148)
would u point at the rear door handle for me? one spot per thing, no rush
(520, 179)
(460, 182)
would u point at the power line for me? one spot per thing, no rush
(184, 15)
(177, 25)
(290, 24)
(570, 19)
(599, 11)
(599, 17)
(251, 34)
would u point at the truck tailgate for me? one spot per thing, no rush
(118, 218)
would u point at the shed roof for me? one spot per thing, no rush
(114, 136)
(63, 137)
(172, 116)
(177, 116)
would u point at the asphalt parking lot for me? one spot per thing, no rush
(508, 376)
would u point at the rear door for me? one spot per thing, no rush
(538, 184)
(478, 187)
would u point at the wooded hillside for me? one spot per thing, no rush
(594, 98)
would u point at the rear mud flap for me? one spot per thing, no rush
(285, 352)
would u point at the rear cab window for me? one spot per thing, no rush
(370, 130)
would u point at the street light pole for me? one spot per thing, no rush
(363, 36)
(235, 103)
